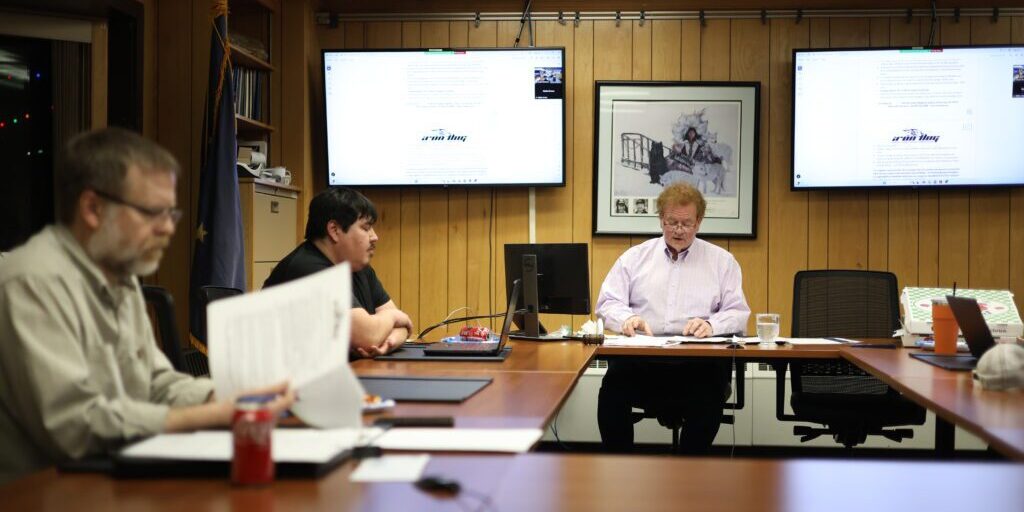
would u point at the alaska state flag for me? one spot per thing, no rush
(219, 257)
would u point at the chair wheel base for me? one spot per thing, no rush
(850, 437)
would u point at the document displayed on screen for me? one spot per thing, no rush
(908, 117)
(444, 117)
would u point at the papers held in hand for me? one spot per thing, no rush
(296, 332)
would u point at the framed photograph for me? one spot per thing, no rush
(650, 134)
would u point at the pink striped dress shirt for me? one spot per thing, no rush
(704, 281)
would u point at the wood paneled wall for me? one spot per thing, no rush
(442, 249)
(176, 69)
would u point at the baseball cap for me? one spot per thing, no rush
(1001, 367)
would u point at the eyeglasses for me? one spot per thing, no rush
(153, 214)
(676, 225)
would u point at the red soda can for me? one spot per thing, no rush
(252, 425)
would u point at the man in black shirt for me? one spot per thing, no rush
(339, 229)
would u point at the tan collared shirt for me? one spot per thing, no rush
(80, 371)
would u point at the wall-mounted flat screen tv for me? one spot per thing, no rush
(444, 117)
(908, 117)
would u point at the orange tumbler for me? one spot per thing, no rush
(944, 327)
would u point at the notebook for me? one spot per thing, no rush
(483, 348)
(976, 333)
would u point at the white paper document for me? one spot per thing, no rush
(296, 332)
(694, 339)
(642, 340)
(809, 341)
(505, 440)
(391, 468)
(287, 444)
(791, 341)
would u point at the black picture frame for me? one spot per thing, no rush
(643, 142)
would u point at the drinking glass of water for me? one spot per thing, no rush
(767, 327)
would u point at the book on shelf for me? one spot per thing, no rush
(250, 90)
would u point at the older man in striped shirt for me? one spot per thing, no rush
(674, 284)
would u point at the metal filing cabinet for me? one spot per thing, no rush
(270, 216)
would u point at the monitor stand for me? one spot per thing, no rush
(520, 320)
(528, 320)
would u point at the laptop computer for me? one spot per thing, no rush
(483, 348)
(976, 333)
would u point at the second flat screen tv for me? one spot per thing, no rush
(908, 117)
(470, 117)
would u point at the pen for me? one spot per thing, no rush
(845, 340)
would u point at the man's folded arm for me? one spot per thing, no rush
(370, 330)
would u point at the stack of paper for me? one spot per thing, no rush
(321, 445)
(390, 468)
(810, 341)
(640, 340)
(287, 444)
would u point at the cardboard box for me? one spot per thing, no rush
(997, 307)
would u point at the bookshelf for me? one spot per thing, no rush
(269, 209)
(251, 24)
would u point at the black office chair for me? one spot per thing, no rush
(670, 417)
(850, 403)
(206, 295)
(163, 310)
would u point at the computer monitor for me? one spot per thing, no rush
(554, 280)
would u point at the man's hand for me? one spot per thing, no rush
(284, 397)
(635, 324)
(401, 328)
(401, 319)
(697, 327)
(392, 342)
(216, 413)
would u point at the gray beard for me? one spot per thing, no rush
(106, 249)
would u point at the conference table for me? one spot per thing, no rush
(539, 482)
(956, 398)
(530, 386)
(527, 390)
(526, 356)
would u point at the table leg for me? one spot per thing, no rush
(944, 438)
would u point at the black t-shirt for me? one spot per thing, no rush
(367, 291)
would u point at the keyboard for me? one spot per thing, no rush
(466, 349)
(959, 363)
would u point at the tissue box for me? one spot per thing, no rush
(997, 306)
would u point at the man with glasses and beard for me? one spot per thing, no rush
(80, 372)
(671, 285)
